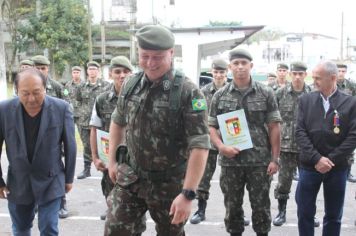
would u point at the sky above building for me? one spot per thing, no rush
(316, 16)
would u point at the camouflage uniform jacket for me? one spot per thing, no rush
(260, 107)
(347, 87)
(86, 94)
(209, 90)
(69, 93)
(53, 88)
(146, 114)
(105, 105)
(287, 100)
(274, 86)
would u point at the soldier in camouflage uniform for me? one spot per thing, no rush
(272, 80)
(53, 88)
(69, 91)
(86, 94)
(253, 167)
(120, 68)
(282, 72)
(287, 99)
(348, 87)
(25, 64)
(163, 116)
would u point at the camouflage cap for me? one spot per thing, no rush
(26, 62)
(298, 66)
(282, 65)
(93, 63)
(271, 74)
(155, 37)
(239, 53)
(219, 64)
(40, 60)
(77, 68)
(121, 61)
(341, 65)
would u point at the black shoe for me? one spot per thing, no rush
(63, 213)
(280, 219)
(262, 234)
(246, 221)
(85, 173)
(103, 216)
(351, 178)
(235, 234)
(316, 222)
(198, 217)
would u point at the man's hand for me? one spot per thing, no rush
(272, 168)
(324, 165)
(68, 187)
(4, 192)
(180, 209)
(112, 169)
(99, 164)
(229, 151)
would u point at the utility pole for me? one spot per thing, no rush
(3, 85)
(133, 10)
(103, 46)
(342, 38)
(90, 43)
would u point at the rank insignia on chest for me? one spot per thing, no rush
(65, 92)
(166, 85)
(199, 104)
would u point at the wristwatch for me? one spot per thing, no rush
(189, 194)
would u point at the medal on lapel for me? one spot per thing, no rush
(336, 122)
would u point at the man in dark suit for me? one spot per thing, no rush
(34, 127)
(326, 136)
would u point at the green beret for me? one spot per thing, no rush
(26, 62)
(341, 65)
(93, 63)
(121, 61)
(219, 64)
(76, 68)
(271, 74)
(239, 53)
(40, 60)
(298, 66)
(155, 37)
(282, 66)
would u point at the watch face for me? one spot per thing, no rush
(189, 194)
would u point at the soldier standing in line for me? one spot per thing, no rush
(287, 99)
(348, 87)
(252, 167)
(25, 64)
(120, 68)
(219, 72)
(86, 94)
(272, 81)
(282, 72)
(162, 116)
(53, 88)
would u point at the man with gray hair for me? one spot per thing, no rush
(326, 136)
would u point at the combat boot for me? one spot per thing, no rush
(86, 172)
(281, 217)
(199, 216)
(262, 234)
(63, 212)
(350, 177)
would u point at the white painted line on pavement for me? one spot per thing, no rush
(150, 221)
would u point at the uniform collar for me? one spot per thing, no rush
(253, 86)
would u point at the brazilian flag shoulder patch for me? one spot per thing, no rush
(199, 104)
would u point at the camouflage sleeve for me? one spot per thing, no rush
(273, 114)
(213, 111)
(118, 116)
(78, 93)
(195, 118)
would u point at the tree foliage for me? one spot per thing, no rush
(265, 35)
(60, 27)
(222, 23)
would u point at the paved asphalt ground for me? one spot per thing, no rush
(86, 203)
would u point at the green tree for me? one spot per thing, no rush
(265, 35)
(61, 28)
(14, 13)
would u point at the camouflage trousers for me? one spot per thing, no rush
(106, 184)
(233, 180)
(85, 137)
(126, 213)
(204, 185)
(288, 164)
